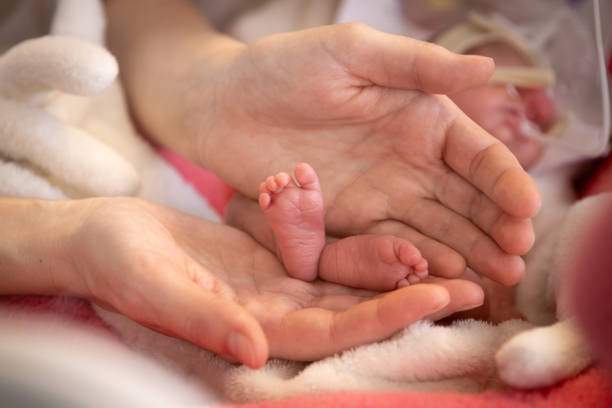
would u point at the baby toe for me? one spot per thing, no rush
(264, 200)
(421, 274)
(402, 283)
(409, 254)
(413, 279)
(271, 184)
(282, 179)
(420, 268)
(306, 176)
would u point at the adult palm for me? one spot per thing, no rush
(351, 101)
(214, 286)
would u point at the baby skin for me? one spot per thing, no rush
(295, 213)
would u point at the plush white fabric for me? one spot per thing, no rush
(422, 357)
(64, 127)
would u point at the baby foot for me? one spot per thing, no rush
(295, 213)
(376, 262)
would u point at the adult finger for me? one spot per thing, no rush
(490, 166)
(464, 295)
(514, 235)
(185, 309)
(395, 61)
(444, 225)
(331, 331)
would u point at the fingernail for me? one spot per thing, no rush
(469, 307)
(240, 347)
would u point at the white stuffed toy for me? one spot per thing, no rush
(65, 131)
(46, 152)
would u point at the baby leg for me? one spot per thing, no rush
(376, 262)
(295, 213)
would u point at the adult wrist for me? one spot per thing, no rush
(167, 52)
(208, 101)
(35, 246)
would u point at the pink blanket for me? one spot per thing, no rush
(591, 388)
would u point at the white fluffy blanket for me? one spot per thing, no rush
(422, 357)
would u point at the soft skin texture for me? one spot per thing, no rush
(419, 168)
(182, 276)
(295, 213)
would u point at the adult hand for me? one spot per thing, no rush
(214, 286)
(348, 100)
(391, 159)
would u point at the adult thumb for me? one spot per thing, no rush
(401, 62)
(184, 309)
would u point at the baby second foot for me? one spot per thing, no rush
(295, 214)
(376, 262)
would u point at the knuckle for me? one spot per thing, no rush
(353, 32)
